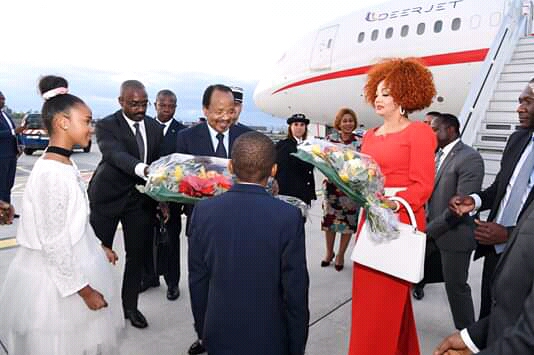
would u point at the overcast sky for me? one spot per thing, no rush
(147, 40)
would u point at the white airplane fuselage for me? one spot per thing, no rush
(327, 69)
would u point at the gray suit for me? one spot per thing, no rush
(460, 173)
(509, 328)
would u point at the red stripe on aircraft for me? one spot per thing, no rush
(476, 55)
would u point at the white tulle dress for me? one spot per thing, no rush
(41, 312)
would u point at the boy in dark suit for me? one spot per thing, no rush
(248, 277)
(214, 138)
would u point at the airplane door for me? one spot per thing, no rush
(321, 57)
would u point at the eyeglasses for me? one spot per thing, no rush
(138, 104)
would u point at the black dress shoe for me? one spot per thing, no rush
(418, 292)
(146, 284)
(137, 318)
(196, 348)
(173, 292)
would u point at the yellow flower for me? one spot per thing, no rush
(344, 177)
(316, 149)
(202, 173)
(178, 173)
(349, 155)
(158, 176)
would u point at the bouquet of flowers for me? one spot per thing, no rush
(357, 176)
(186, 178)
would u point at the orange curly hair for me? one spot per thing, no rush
(410, 83)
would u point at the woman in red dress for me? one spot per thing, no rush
(382, 317)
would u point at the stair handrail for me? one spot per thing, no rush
(512, 28)
(528, 11)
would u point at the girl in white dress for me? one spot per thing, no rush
(59, 296)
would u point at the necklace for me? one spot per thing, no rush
(58, 150)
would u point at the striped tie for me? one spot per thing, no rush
(437, 160)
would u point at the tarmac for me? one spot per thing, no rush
(170, 329)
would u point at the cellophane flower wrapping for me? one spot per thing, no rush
(188, 178)
(358, 176)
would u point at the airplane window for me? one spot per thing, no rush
(475, 21)
(361, 37)
(456, 24)
(389, 32)
(495, 19)
(421, 28)
(404, 30)
(374, 35)
(438, 25)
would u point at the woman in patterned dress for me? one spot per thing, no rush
(340, 213)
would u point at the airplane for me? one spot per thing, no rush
(327, 68)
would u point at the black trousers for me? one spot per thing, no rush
(137, 221)
(174, 227)
(171, 271)
(490, 262)
(8, 168)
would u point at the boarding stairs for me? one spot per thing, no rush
(489, 115)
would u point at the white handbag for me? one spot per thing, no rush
(403, 257)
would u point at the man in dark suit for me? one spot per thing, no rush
(507, 197)
(509, 328)
(459, 171)
(215, 137)
(165, 109)
(129, 141)
(8, 152)
(247, 262)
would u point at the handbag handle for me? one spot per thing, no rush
(408, 208)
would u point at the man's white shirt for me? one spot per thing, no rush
(140, 167)
(215, 140)
(499, 248)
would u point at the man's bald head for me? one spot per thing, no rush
(131, 84)
(133, 99)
